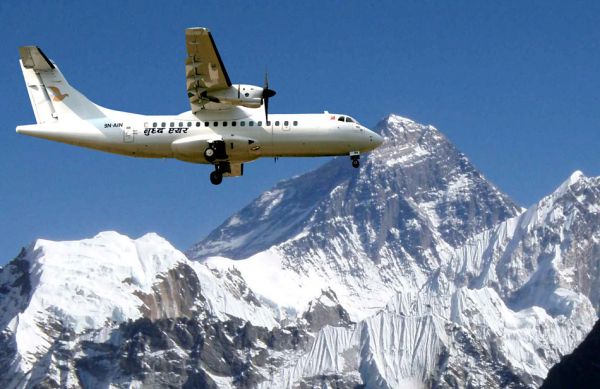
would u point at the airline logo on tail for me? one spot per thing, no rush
(58, 96)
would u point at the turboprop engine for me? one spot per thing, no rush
(250, 96)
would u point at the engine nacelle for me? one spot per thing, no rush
(245, 95)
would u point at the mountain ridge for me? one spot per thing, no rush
(414, 270)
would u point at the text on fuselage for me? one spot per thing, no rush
(165, 130)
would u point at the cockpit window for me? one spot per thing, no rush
(349, 120)
(341, 119)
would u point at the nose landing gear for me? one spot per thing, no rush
(355, 157)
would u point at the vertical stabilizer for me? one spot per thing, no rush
(52, 98)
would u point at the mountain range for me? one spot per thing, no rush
(412, 271)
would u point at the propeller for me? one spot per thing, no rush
(266, 95)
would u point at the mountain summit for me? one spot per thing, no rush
(411, 271)
(417, 177)
(380, 229)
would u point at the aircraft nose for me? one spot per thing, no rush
(377, 139)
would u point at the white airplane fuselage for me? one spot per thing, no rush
(226, 126)
(244, 130)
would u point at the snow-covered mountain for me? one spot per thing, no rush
(366, 234)
(412, 271)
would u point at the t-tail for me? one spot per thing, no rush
(52, 98)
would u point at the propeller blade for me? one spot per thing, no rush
(266, 104)
(266, 95)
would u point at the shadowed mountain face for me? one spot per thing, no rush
(412, 271)
(580, 369)
(416, 182)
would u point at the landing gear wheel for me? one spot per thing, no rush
(209, 154)
(216, 178)
(355, 163)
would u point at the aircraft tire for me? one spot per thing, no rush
(216, 178)
(209, 154)
(355, 163)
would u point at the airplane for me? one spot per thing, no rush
(225, 126)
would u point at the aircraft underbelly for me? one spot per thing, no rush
(309, 144)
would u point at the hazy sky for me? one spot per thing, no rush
(514, 85)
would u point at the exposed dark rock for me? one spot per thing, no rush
(176, 294)
(326, 310)
(581, 368)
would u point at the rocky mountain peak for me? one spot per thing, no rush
(416, 178)
(576, 178)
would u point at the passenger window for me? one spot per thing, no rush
(259, 123)
(286, 123)
(216, 124)
(197, 124)
(268, 123)
(277, 122)
(163, 124)
(243, 123)
(233, 123)
(206, 124)
(172, 124)
(251, 123)
(224, 124)
(189, 124)
(295, 123)
(154, 124)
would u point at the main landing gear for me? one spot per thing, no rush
(216, 177)
(355, 157)
(214, 152)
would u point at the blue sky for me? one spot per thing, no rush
(514, 85)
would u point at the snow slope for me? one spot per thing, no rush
(414, 271)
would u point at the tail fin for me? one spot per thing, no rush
(52, 98)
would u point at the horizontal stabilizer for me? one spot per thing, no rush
(34, 58)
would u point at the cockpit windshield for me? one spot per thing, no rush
(347, 119)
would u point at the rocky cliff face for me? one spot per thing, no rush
(412, 271)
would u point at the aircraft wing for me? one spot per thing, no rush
(204, 69)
